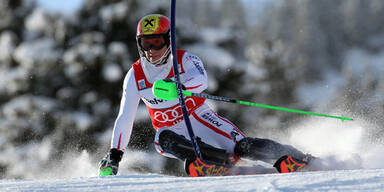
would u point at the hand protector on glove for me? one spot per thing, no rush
(109, 165)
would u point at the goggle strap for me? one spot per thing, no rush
(163, 58)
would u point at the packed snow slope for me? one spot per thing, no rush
(341, 180)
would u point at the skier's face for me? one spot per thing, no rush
(154, 49)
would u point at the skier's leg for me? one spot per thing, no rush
(266, 150)
(215, 130)
(217, 138)
(180, 147)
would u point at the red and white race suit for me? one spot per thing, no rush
(210, 127)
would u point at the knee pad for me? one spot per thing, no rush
(243, 147)
(175, 144)
(167, 139)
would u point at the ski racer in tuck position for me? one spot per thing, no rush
(220, 141)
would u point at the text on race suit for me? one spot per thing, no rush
(154, 101)
(212, 119)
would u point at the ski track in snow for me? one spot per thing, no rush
(341, 180)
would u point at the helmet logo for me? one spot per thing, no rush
(150, 24)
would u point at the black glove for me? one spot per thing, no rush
(109, 165)
(170, 80)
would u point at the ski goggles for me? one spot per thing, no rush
(149, 43)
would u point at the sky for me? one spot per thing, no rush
(63, 6)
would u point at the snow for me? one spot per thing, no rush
(39, 54)
(319, 93)
(102, 107)
(139, 159)
(363, 172)
(21, 105)
(112, 72)
(254, 72)
(344, 180)
(358, 64)
(359, 61)
(142, 113)
(313, 140)
(223, 59)
(117, 11)
(215, 36)
(85, 54)
(7, 45)
(13, 80)
(117, 48)
(376, 41)
(82, 120)
(37, 21)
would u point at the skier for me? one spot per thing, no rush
(220, 141)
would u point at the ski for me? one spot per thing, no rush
(285, 164)
(199, 168)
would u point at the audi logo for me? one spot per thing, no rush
(172, 114)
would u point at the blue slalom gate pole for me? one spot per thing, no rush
(178, 84)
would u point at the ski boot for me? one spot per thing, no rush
(288, 164)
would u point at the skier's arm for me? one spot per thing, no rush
(128, 107)
(195, 79)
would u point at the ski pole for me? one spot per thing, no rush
(167, 90)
